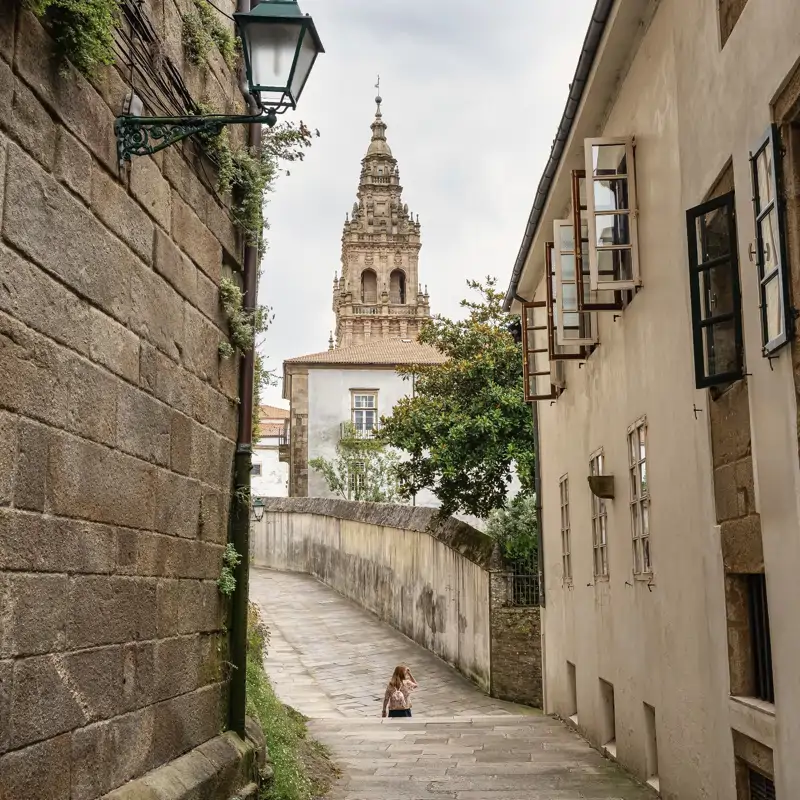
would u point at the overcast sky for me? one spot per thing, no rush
(473, 91)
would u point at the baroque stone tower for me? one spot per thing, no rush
(378, 295)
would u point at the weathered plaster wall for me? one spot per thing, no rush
(410, 579)
(117, 427)
(431, 584)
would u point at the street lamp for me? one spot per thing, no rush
(280, 45)
(258, 509)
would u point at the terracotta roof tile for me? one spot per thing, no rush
(273, 412)
(388, 352)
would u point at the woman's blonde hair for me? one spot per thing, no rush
(398, 676)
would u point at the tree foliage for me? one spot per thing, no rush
(467, 426)
(362, 470)
(515, 528)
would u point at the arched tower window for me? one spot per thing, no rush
(369, 286)
(397, 287)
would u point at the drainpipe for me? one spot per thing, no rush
(240, 512)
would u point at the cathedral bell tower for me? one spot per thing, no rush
(378, 295)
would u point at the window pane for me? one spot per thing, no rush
(603, 531)
(604, 559)
(634, 484)
(772, 307)
(716, 291)
(611, 195)
(645, 518)
(768, 228)
(766, 191)
(609, 159)
(633, 450)
(635, 521)
(641, 432)
(612, 229)
(719, 348)
(569, 299)
(614, 265)
(582, 192)
(566, 239)
(713, 235)
(637, 555)
(646, 565)
(643, 478)
(567, 267)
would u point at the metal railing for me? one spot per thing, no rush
(366, 311)
(347, 430)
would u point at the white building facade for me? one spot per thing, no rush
(656, 281)
(270, 475)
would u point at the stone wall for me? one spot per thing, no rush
(430, 581)
(117, 429)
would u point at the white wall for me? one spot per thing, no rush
(274, 478)
(329, 406)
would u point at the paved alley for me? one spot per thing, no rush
(331, 661)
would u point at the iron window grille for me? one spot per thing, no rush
(599, 523)
(760, 640)
(566, 533)
(715, 292)
(640, 497)
(523, 589)
(761, 787)
(611, 206)
(777, 317)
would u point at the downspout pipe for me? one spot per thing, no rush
(240, 511)
(591, 45)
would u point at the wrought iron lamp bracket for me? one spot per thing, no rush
(142, 136)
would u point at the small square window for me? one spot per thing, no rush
(761, 787)
(255, 469)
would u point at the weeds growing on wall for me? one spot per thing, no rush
(83, 30)
(230, 560)
(202, 30)
(302, 768)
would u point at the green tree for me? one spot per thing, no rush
(362, 470)
(467, 425)
(515, 528)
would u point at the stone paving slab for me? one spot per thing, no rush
(331, 661)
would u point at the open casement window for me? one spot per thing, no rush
(588, 299)
(613, 241)
(573, 327)
(538, 371)
(777, 319)
(557, 352)
(715, 291)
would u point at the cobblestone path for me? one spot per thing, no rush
(331, 661)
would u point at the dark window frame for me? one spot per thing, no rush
(760, 637)
(759, 786)
(529, 396)
(699, 325)
(781, 273)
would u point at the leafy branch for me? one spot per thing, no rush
(202, 30)
(230, 560)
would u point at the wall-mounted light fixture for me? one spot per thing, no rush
(258, 509)
(280, 45)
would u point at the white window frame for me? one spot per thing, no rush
(640, 499)
(588, 317)
(600, 566)
(633, 214)
(566, 530)
(363, 430)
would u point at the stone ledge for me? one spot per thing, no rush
(223, 767)
(477, 547)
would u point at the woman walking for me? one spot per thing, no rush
(397, 699)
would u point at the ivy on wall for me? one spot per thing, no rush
(202, 30)
(83, 30)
